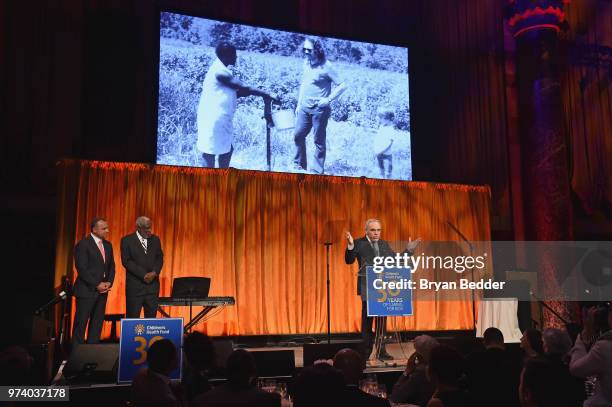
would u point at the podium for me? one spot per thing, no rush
(388, 295)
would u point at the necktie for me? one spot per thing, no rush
(101, 247)
(143, 242)
(376, 250)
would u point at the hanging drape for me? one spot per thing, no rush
(259, 236)
(587, 100)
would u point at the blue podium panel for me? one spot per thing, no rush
(137, 336)
(389, 291)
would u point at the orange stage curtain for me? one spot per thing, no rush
(260, 236)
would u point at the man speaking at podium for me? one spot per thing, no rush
(364, 250)
(142, 257)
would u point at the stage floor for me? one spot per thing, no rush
(400, 351)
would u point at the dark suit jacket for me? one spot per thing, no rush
(364, 253)
(493, 375)
(137, 264)
(414, 388)
(355, 397)
(152, 390)
(91, 268)
(225, 396)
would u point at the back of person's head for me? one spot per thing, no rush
(320, 385)
(162, 356)
(351, 364)
(556, 342)
(493, 337)
(241, 369)
(539, 384)
(534, 340)
(445, 365)
(423, 345)
(15, 366)
(199, 350)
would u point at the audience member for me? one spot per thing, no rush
(413, 386)
(539, 384)
(351, 365)
(493, 374)
(557, 344)
(240, 390)
(320, 385)
(531, 343)
(199, 355)
(597, 361)
(151, 387)
(444, 370)
(15, 366)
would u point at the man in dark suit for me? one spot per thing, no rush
(142, 257)
(95, 265)
(493, 374)
(239, 390)
(364, 250)
(151, 386)
(352, 365)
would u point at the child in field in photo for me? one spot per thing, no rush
(383, 141)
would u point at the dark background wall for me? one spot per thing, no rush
(78, 79)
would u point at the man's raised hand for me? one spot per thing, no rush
(349, 239)
(412, 244)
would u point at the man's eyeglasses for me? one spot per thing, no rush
(307, 50)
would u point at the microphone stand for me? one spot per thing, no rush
(327, 255)
(471, 246)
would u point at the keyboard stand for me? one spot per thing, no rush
(192, 320)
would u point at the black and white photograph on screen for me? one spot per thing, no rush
(233, 95)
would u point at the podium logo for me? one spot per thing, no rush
(139, 329)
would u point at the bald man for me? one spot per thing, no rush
(143, 259)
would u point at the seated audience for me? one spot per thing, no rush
(199, 354)
(151, 387)
(444, 370)
(531, 343)
(596, 361)
(240, 390)
(493, 374)
(16, 366)
(351, 365)
(413, 386)
(557, 344)
(539, 384)
(320, 385)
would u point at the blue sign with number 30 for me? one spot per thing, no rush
(389, 292)
(137, 335)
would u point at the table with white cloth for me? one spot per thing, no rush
(501, 314)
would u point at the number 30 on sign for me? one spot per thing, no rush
(137, 336)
